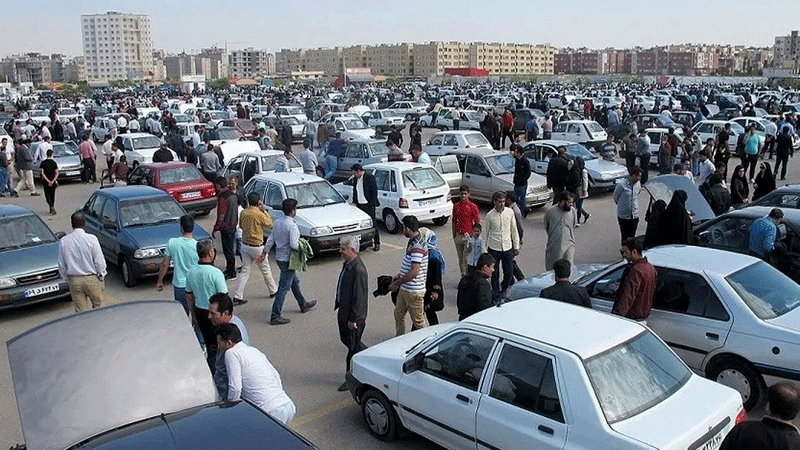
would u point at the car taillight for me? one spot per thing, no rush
(403, 203)
(741, 417)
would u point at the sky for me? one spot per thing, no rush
(179, 25)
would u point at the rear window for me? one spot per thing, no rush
(180, 175)
(378, 148)
(424, 178)
(475, 139)
(268, 163)
(635, 376)
(765, 290)
(594, 127)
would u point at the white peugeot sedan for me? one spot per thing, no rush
(540, 374)
(730, 317)
(323, 215)
(405, 189)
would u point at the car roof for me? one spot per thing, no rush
(287, 178)
(790, 214)
(481, 151)
(167, 165)
(461, 132)
(261, 153)
(136, 191)
(578, 121)
(136, 135)
(545, 321)
(14, 211)
(552, 142)
(699, 259)
(397, 165)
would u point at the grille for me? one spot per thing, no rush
(342, 228)
(38, 277)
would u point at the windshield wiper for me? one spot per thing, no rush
(412, 182)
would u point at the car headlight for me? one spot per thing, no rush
(146, 253)
(319, 231)
(367, 223)
(7, 283)
(605, 176)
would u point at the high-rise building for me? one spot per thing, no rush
(218, 58)
(250, 63)
(117, 46)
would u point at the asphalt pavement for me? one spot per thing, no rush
(307, 352)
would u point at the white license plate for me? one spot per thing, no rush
(72, 174)
(713, 443)
(188, 195)
(428, 202)
(41, 290)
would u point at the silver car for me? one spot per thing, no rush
(602, 174)
(731, 317)
(66, 156)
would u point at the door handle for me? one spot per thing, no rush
(545, 429)
(462, 397)
(712, 336)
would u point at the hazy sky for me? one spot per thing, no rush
(54, 26)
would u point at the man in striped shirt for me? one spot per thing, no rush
(410, 282)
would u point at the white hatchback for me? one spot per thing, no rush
(540, 374)
(446, 141)
(586, 132)
(406, 189)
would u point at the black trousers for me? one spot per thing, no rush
(507, 134)
(644, 164)
(627, 228)
(370, 211)
(351, 339)
(782, 160)
(49, 194)
(228, 239)
(207, 330)
(89, 173)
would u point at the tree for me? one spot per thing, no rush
(221, 84)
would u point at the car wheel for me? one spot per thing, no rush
(409, 117)
(439, 221)
(423, 123)
(444, 128)
(738, 374)
(390, 221)
(135, 165)
(128, 276)
(379, 416)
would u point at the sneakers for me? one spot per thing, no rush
(230, 276)
(586, 217)
(279, 321)
(308, 306)
(35, 194)
(376, 247)
(343, 387)
(239, 301)
(273, 295)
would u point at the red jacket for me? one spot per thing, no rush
(637, 289)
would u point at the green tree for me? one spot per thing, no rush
(221, 84)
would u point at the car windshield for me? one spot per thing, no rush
(634, 376)
(577, 150)
(37, 113)
(666, 122)
(736, 128)
(149, 211)
(390, 113)
(61, 150)
(229, 133)
(23, 231)
(66, 112)
(475, 139)
(180, 175)
(354, 124)
(181, 118)
(316, 193)
(292, 110)
(594, 127)
(146, 142)
(765, 290)
(473, 116)
(500, 164)
(422, 178)
(292, 121)
(216, 115)
(378, 148)
(268, 162)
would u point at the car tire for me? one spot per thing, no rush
(444, 128)
(423, 124)
(409, 117)
(379, 416)
(128, 277)
(390, 221)
(439, 221)
(738, 374)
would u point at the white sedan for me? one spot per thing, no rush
(540, 374)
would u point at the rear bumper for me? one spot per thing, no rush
(540, 198)
(330, 243)
(205, 204)
(426, 213)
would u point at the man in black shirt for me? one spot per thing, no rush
(784, 149)
(563, 290)
(522, 171)
(395, 136)
(49, 169)
(557, 171)
(474, 289)
(775, 431)
(162, 154)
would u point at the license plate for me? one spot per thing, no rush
(188, 195)
(41, 290)
(713, 443)
(72, 174)
(428, 202)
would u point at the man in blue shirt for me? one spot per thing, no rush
(331, 155)
(763, 232)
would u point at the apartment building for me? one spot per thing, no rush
(251, 63)
(786, 51)
(117, 45)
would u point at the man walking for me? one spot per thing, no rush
(227, 221)
(365, 197)
(474, 289)
(563, 290)
(626, 197)
(88, 156)
(557, 172)
(776, 430)
(465, 215)
(203, 281)
(209, 163)
(308, 159)
(351, 300)
(81, 261)
(501, 240)
(49, 169)
(182, 253)
(784, 149)
(637, 286)
(522, 172)
(252, 377)
(410, 281)
(559, 223)
(253, 221)
(285, 237)
(25, 160)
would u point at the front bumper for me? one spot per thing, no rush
(330, 243)
(607, 184)
(26, 294)
(539, 198)
(353, 385)
(146, 266)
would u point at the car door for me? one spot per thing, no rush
(386, 198)
(136, 176)
(655, 143)
(522, 406)
(434, 146)
(602, 291)
(354, 153)
(450, 142)
(250, 168)
(445, 121)
(440, 400)
(478, 177)
(688, 315)
(536, 157)
(93, 214)
(573, 133)
(234, 167)
(109, 230)
(727, 233)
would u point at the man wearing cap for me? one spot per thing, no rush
(365, 197)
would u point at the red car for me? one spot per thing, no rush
(245, 126)
(180, 180)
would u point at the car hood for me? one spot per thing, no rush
(663, 186)
(679, 427)
(29, 259)
(397, 347)
(65, 162)
(336, 215)
(533, 285)
(70, 388)
(158, 235)
(601, 166)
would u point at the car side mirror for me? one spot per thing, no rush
(346, 197)
(60, 234)
(109, 226)
(413, 364)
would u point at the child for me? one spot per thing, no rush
(474, 247)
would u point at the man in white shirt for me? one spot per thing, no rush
(251, 376)
(41, 150)
(81, 261)
(122, 124)
(308, 159)
(133, 126)
(108, 151)
(220, 311)
(29, 129)
(501, 240)
(45, 131)
(196, 136)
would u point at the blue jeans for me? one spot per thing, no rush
(3, 179)
(287, 280)
(505, 258)
(330, 166)
(520, 192)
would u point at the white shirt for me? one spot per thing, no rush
(45, 132)
(133, 125)
(122, 122)
(41, 151)
(500, 231)
(79, 254)
(309, 161)
(108, 150)
(252, 377)
(360, 190)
